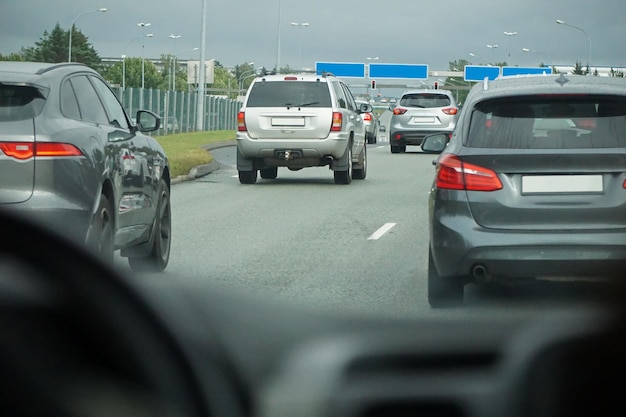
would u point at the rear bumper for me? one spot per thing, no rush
(307, 152)
(411, 137)
(459, 245)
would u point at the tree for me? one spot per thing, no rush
(53, 47)
(578, 69)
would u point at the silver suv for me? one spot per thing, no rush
(420, 113)
(299, 121)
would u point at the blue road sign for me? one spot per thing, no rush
(506, 71)
(415, 72)
(480, 72)
(341, 69)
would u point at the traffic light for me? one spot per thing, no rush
(373, 84)
(436, 85)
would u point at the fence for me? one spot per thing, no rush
(178, 109)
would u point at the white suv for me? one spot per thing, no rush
(299, 121)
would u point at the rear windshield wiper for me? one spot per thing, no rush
(313, 103)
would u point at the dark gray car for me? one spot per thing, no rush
(531, 185)
(70, 158)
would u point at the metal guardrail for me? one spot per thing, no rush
(178, 109)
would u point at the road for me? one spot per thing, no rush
(302, 238)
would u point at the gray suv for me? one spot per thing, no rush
(420, 113)
(298, 121)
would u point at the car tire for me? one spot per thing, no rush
(269, 173)
(361, 172)
(443, 291)
(159, 255)
(345, 177)
(247, 177)
(396, 149)
(102, 231)
(371, 139)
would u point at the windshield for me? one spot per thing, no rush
(556, 122)
(289, 94)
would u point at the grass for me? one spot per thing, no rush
(185, 151)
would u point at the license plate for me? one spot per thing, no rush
(288, 121)
(562, 184)
(423, 119)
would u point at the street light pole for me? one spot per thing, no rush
(172, 61)
(300, 25)
(148, 35)
(143, 61)
(278, 41)
(560, 22)
(69, 47)
(492, 47)
(550, 61)
(509, 34)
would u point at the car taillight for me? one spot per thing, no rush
(26, 150)
(454, 174)
(337, 122)
(367, 117)
(399, 110)
(450, 111)
(241, 122)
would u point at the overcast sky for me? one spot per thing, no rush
(431, 32)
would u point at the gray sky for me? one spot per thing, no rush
(431, 32)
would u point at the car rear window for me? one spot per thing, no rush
(289, 94)
(425, 100)
(550, 122)
(18, 102)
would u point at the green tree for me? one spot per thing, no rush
(578, 69)
(53, 47)
(131, 67)
(13, 56)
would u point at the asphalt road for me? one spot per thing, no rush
(361, 247)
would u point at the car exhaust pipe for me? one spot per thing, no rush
(480, 273)
(329, 160)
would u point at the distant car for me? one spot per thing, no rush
(531, 185)
(420, 113)
(370, 120)
(72, 159)
(298, 121)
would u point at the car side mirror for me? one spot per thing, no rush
(147, 121)
(435, 143)
(365, 108)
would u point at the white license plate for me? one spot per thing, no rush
(418, 119)
(288, 121)
(562, 184)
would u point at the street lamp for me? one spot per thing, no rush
(510, 34)
(550, 62)
(243, 77)
(171, 76)
(69, 47)
(143, 27)
(560, 22)
(149, 35)
(301, 25)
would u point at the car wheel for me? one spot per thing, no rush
(396, 149)
(269, 173)
(247, 177)
(345, 177)
(371, 139)
(361, 172)
(159, 255)
(102, 231)
(443, 291)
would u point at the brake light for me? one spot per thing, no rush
(367, 117)
(454, 174)
(291, 78)
(337, 122)
(450, 111)
(26, 150)
(399, 110)
(241, 122)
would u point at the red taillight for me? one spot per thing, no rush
(291, 78)
(241, 122)
(26, 150)
(367, 117)
(450, 111)
(454, 174)
(399, 110)
(337, 122)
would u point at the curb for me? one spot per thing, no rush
(203, 170)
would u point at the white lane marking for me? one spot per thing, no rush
(381, 232)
